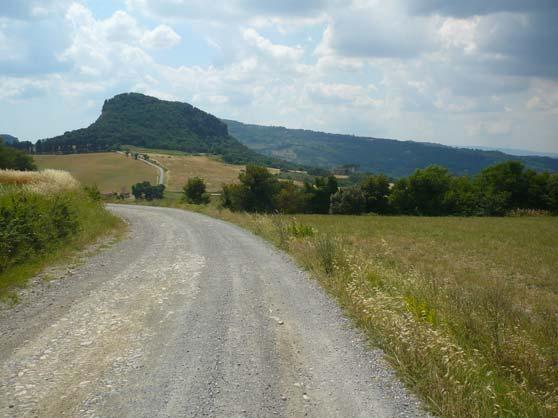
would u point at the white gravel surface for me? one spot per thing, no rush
(189, 316)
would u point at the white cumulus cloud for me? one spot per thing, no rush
(162, 36)
(275, 50)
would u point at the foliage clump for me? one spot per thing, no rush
(145, 190)
(14, 159)
(31, 223)
(195, 191)
(496, 191)
(41, 212)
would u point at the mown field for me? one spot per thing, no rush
(182, 167)
(110, 171)
(466, 309)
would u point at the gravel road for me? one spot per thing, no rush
(161, 178)
(189, 316)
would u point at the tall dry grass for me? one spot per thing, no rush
(42, 182)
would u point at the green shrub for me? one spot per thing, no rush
(145, 190)
(349, 201)
(93, 192)
(11, 158)
(299, 230)
(291, 199)
(31, 224)
(327, 250)
(376, 190)
(43, 216)
(552, 193)
(195, 191)
(284, 229)
(255, 193)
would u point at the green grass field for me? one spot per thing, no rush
(466, 309)
(110, 171)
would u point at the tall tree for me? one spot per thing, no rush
(423, 193)
(11, 158)
(260, 188)
(194, 191)
(376, 190)
(506, 182)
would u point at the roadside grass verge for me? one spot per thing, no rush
(44, 218)
(466, 309)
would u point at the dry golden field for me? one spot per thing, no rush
(110, 171)
(181, 167)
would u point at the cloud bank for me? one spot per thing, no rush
(476, 72)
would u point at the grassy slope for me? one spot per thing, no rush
(465, 308)
(181, 166)
(95, 222)
(111, 172)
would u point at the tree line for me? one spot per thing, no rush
(431, 191)
(14, 159)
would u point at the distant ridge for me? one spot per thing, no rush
(8, 139)
(144, 121)
(514, 151)
(392, 157)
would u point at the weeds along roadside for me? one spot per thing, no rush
(465, 349)
(44, 217)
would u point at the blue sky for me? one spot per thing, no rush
(454, 72)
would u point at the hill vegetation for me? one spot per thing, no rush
(144, 121)
(14, 159)
(386, 156)
(8, 139)
(43, 216)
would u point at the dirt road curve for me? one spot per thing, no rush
(189, 317)
(161, 177)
